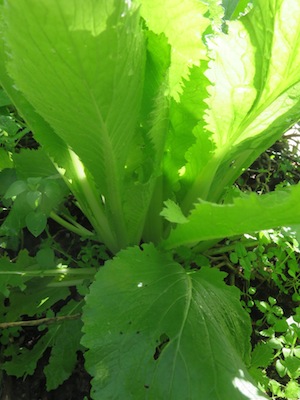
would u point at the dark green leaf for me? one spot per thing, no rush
(155, 331)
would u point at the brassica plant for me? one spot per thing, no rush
(149, 111)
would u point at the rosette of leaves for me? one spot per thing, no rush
(150, 111)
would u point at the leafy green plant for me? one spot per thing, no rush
(149, 122)
(271, 256)
(276, 358)
(36, 287)
(281, 259)
(33, 201)
(12, 129)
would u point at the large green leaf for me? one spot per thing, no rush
(89, 60)
(56, 148)
(248, 213)
(155, 331)
(254, 93)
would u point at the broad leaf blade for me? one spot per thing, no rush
(89, 60)
(254, 95)
(155, 331)
(247, 214)
(55, 147)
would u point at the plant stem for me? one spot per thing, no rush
(52, 272)
(78, 229)
(41, 321)
(88, 198)
(226, 249)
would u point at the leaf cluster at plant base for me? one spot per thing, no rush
(128, 234)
